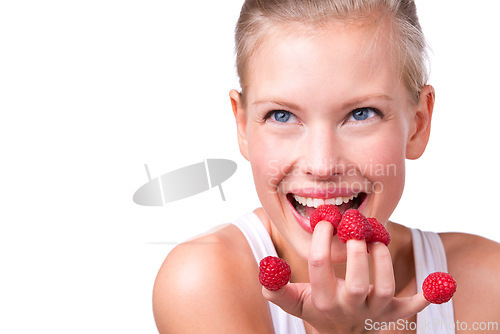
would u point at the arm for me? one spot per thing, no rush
(475, 263)
(206, 286)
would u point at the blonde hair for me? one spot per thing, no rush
(259, 17)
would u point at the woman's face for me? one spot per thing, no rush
(326, 119)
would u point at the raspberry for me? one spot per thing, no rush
(327, 212)
(439, 287)
(354, 225)
(379, 233)
(274, 273)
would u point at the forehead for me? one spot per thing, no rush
(338, 59)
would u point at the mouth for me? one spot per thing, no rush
(303, 207)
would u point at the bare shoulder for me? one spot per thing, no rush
(467, 251)
(474, 261)
(210, 285)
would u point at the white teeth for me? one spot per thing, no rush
(330, 201)
(316, 202)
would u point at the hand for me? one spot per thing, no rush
(333, 305)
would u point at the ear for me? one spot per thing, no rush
(420, 129)
(241, 121)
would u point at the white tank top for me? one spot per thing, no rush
(429, 257)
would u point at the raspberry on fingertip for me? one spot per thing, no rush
(379, 232)
(327, 212)
(274, 273)
(354, 225)
(439, 287)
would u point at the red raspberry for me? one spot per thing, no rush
(274, 273)
(379, 233)
(327, 212)
(354, 226)
(439, 287)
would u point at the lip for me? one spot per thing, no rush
(304, 222)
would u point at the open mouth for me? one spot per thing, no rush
(305, 206)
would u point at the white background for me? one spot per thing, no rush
(90, 91)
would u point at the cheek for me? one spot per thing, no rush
(383, 163)
(383, 153)
(388, 158)
(270, 159)
(266, 173)
(267, 167)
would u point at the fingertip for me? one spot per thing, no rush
(273, 295)
(421, 301)
(378, 249)
(375, 244)
(358, 246)
(408, 306)
(321, 241)
(323, 226)
(289, 297)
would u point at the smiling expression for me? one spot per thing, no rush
(326, 119)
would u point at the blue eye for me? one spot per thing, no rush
(281, 116)
(362, 114)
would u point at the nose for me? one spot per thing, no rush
(322, 154)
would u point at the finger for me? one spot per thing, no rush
(383, 277)
(357, 277)
(321, 274)
(406, 307)
(290, 298)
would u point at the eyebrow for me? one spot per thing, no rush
(278, 102)
(348, 105)
(365, 99)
